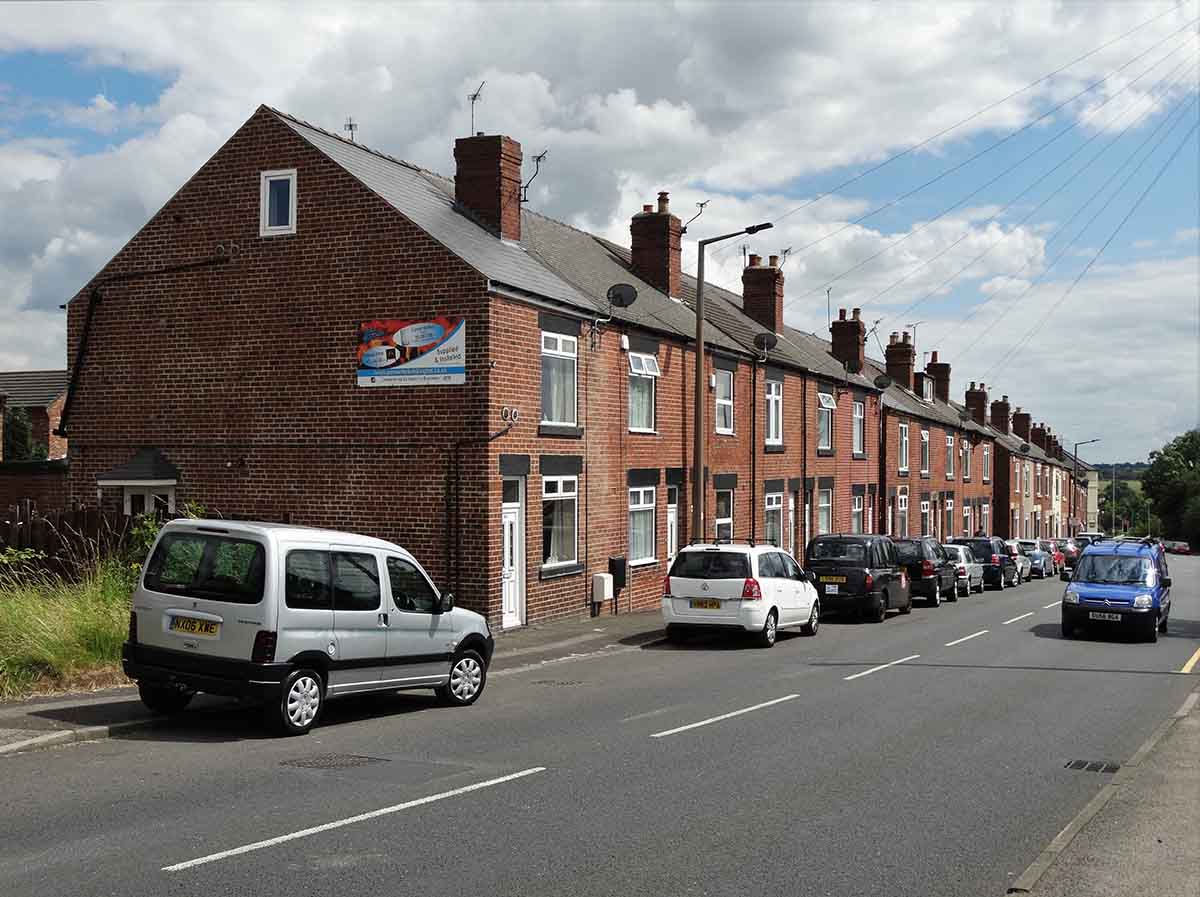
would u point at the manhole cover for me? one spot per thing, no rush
(558, 683)
(332, 761)
(1092, 765)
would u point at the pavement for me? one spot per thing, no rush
(929, 755)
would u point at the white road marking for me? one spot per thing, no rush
(362, 817)
(882, 666)
(717, 719)
(966, 638)
(1051, 604)
(659, 712)
(1014, 619)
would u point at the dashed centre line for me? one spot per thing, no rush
(717, 719)
(966, 638)
(882, 666)
(1050, 605)
(1014, 619)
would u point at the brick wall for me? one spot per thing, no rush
(43, 482)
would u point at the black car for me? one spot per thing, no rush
(998, 566)
(859, 573)
(932, 573)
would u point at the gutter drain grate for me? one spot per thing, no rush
(1092, 765)
(332, 761)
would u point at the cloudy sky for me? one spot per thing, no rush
(1043, 140)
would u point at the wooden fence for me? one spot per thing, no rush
(67, 540)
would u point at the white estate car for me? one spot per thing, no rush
(294, 617)
(747, 588)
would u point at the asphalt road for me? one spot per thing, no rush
(940, 775)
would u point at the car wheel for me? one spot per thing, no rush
(936, 600)
(878, 613)
(164, 698)
(907, 608)
(1162, 625)
(468, 676)
(1068, 629)
(301, 701)
(956, 593)
(979, 589)
(814, 620)
(770, 630)
(1150, 630)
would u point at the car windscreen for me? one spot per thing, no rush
(838, 550)
(210, 567)
(982, 549)
(1112, 569)
(909, 552)
(711, 565)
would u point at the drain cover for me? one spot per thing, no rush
(332, 761)
(1092, 765)
(558, 683)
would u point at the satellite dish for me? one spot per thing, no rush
(622, 295)
(883, 381)
(765, 342)
(964, 416)
(1024, 448)
(853, 366)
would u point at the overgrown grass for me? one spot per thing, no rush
(54, 631)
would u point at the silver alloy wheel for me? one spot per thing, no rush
(770, 629)
(814, 618)
(465, 678)
(303, 701)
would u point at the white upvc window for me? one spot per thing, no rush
(148, 497)
(723, 519)
(902, 515)
(966, 458)
(904, 448)
(966, 520)
(560, 520)
(774, 412)
(870, 517)
(949, 457)
(643, 371)
(949, 519)
(724, 392)
(641, 525)
(925, 451)
(773, 519)
(924, 518)
(672, 522)
(856, 514)
(559, 357)
(277, 203)
(985, 522)
(824, 511)
(860, 435)
(1017, 474)
(1028, 477)
(927, 390)
(987, 463)
(825, 408)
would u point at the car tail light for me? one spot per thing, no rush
(995, 559)
(666, 587)
(264, 647)
(926, 569)
(962, 571)
(751, 590)
(132, 628)
(869, 582)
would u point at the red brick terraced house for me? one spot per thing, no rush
(40, 394)
(342, 339)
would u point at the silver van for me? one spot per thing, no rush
(294, 617)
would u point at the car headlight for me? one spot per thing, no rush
(1070, 596)
(1143, 601)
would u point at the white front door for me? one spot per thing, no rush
(512, 564)
(672, 522)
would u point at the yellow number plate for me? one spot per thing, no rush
(833, 579)
(192, 626)
(706, 603)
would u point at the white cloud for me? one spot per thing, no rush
(1187, 235)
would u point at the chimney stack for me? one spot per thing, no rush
(762, 293)
(847, 339)
(1000, 415)
(899, 356)
(487, 182)
(656, 238)
(940, 372)
(1038, 436)
(977, 402)
(1020, 423)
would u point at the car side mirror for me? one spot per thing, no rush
(446, 603)
(1166, 582)
(812, 577)
(1065, 576)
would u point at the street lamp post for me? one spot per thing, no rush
(1075, 474)
(697, 528)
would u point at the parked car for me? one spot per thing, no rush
(1041, 562)
(999, 568)
(294, 617)
(1124, 582)
(1055, 553)
(1176, 547)
(968, 571)
(743, 588)
(1091, 536)
(859, 573)
(931, 572)
(1070, 551)
(1017, 553)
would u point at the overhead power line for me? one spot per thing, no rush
(974, 115)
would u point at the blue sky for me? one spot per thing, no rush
(106, 109)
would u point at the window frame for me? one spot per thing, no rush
(903, 460)
(924, 452)
(265, 229)
(649, 370)
(387, 569)
(827, 507)
(719, 521)
(560, 340)
(927, 389)
(859, 446)
(987, 463)
(826, 406)
(925, 517)
(773, 503)
(950, 446)
(774, 411)
(966, 459)
(672, 532)
(857, 510)
(641, 507)
(902, 514)
(561, 495)
(720, 374)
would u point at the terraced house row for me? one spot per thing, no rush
(313, 331)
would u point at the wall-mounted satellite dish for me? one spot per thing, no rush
(622, 295)
(765, 342)
(1024, 448)
(883, 381)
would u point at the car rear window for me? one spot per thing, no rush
(909, 551)
(210, 567)
(837, 550)
(711, 565)
(981, 549)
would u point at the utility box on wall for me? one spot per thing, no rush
(616, 569)
(602, 587)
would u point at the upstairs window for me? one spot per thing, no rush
(966, 459)
(825, 408)
(987, 463)
(558, 378)
(925, 452)
(724, 418)
(949, 457)
(774, 412)
(277, 203)
(643, 371)
(859, 428)
(927, 389)
(904, 448)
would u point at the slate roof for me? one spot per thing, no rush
(146, 464)
(32, 389)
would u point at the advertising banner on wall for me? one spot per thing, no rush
(427, 352)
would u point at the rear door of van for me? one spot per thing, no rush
(306, 601)
(205, 591)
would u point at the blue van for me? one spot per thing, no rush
(1122, 582)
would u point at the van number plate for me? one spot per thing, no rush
(1099, 615)
(705, 603)
(192, 626)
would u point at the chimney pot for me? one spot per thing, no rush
(841, 314)
(663, 203)
(754, 260)
(647, 208)
(972, 384)
(856, 313)
(894, 337)
(933, 357)
(1005, 399)
(904, 337)
(773, 261)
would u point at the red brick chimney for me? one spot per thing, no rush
(656, 238)
(900, 355)
(1020, 423)
(847, 338)
(762, 293)
(487, 181)
(1000, 415)
(940, 372)
(977, 402)
(1038, 436)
